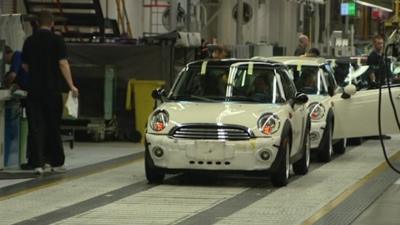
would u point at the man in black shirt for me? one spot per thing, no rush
(44, 56)
(377, 72)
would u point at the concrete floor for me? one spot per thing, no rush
(120, 195)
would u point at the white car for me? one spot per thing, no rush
(314, 77)
(229, 115)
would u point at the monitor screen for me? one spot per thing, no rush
(344, 9)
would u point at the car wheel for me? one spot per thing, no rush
(340, 146)
(153, 174)
(280, 176)
(325, 149)
(301, 167)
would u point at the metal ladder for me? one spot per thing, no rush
(123, 19)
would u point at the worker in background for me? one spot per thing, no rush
(377, 69)
(202, 51)
(376, 62)
(44, 56)
(313, 52)
(220, 52)
(16, 76)
(303, 45)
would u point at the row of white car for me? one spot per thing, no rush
(259, 114)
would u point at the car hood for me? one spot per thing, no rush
(317, 98)
(233, 113)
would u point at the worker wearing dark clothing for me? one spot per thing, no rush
(377, 71)
(42, 51)
(16, 74)
(44, 56)
(376, 62)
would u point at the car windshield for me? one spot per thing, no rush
(210, 84)
(255, 83)
(201, 84)
(308, 79)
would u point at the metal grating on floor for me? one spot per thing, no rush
(352, 207)
(4, 175)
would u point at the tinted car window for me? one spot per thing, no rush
(212, 83)
(288, 86)
(308, 80)
(330, 79)
(257, 84)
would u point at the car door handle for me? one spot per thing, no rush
(398, 97)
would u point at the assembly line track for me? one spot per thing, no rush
(347, 206)
(49, 179)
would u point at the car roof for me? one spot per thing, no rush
(298, 60)
(231, 61)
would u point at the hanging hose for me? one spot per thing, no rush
(380, 109)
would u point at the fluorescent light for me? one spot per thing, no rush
(374, 6)
(318, 1)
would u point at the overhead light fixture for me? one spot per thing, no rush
(369, 4)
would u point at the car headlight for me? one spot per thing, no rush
(316, 110)
(159, 120)
(268, 123)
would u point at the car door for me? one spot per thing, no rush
(329, 78)
(357, 116)
(299, 111)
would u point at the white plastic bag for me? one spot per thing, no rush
(72, 105)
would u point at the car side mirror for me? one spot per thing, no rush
(159, 94)
(300, 98)
(348, 91)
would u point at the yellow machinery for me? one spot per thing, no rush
(143, 102)
(394, 21)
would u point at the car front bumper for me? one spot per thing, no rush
(201, 154)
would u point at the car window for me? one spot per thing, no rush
(308, 80)
(211, 83)
(330, 79)
(288, 86)
(257, 83)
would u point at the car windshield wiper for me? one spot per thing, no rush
(191, 97)
(203, 98)
(243, 98)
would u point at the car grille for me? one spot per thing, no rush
(211, 132)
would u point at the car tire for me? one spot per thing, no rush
(340, 146)
(153, 174)
(280, 176)
(301, 167)
(325, 148)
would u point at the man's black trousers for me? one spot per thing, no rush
(44, 119)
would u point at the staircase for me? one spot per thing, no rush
(77, 20)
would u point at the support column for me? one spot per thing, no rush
(316, 25)
(173, 11)
(267, 14)
(239, 23)
(301, 18)
(328, 26)
(188, 15)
